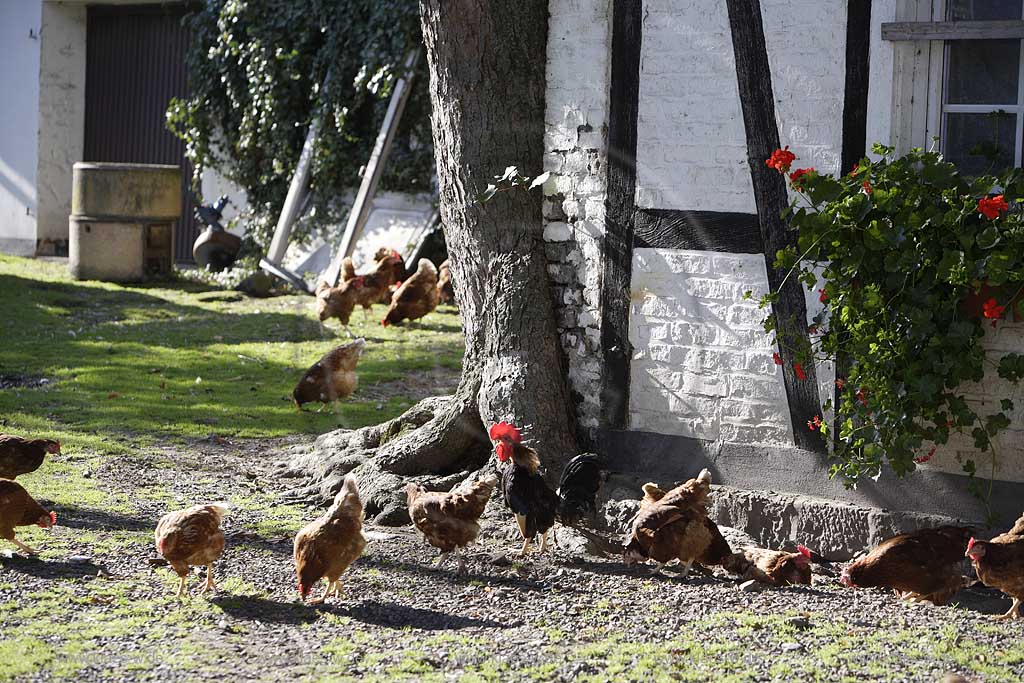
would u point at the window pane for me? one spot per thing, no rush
(982, 72)
(983, 10)
(979, 143)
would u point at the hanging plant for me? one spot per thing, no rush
(912, 263)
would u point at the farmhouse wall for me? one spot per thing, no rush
(576, 127)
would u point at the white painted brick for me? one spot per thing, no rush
(746, 316)
(744, 386)
(760, 434)
(557, 232)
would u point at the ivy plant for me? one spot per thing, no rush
(913, 263)
(257, 71)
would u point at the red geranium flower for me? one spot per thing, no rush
(796, 177)
(991, 207)
(777, 358)
(862, 397)
(867, 187)
(921, 459)
(822, 296)
(854, 169)
(781, 159)
(799, 370)
(992, 310)
(814, 424)
(840, 383)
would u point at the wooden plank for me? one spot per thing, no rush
(952, 30)
(620, 210)
(757, 103)
(360, 211)
(724, 231)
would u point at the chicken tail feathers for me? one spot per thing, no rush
(220, 508)
(578, 487)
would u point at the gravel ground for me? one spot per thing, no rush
(563, 616)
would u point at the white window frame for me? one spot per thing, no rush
(918, 70)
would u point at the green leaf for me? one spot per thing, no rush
(989, 237)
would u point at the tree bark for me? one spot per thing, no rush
(487, 62)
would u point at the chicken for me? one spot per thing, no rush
(676, 526)
(535, 505)
(21, 456)
(192, 538)
(348, 269)
(17, 508)
(338, 302)
(416, 297)
(327, 546)
(920, 565)
(331, 378)
(359, 290)
(449, 520)
(718, 551)
(445, 288)
(782, 568)
(1000, 564)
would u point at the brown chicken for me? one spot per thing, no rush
(21, 456)
(416, 297)
(17, 508)
(445, 288)
(1000, 564)
(327, 546)
(780, 567)
(192, 538)
(920, 565)
(718, 552)
(331, 378)
(449, 521)
(359, 290)
(673, 527)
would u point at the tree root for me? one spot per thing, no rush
(438, 443)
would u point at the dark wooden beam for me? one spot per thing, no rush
(627, 18)
(952, 30)
(757, 103)
(708, 230)
(855, 122)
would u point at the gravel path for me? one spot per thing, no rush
(564, 616)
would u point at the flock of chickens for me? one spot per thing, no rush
(670, 526)
(333, 377)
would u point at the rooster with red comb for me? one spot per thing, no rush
(535, 505)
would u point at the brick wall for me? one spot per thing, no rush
(576, 126)
(691, 146)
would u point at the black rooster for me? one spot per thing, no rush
(535, 505)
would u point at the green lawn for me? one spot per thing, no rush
(177, 360)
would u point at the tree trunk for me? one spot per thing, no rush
(487, 63)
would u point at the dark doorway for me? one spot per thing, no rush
(135, 64)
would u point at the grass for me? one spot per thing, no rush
(176, 360)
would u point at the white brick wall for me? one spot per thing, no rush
(691, 146)
(702, 365)
(576, 126)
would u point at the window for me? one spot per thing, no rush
(982, 93)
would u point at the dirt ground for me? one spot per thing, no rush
(94, 608)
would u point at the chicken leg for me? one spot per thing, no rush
(440, 558)
(657, 569)
(544, 541)
(209, 585)
(686, 569)
(24, 548)
(461, 560)
(181, 586)
(1013, 613)
(333, 588)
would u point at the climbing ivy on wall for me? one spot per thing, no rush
(256, 69)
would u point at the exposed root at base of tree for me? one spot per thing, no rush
(437, 443)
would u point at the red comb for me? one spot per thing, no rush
(804, 550)
(398, 284)
(395, 254)
(970, 544)
(53, 517)
(505, 430)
